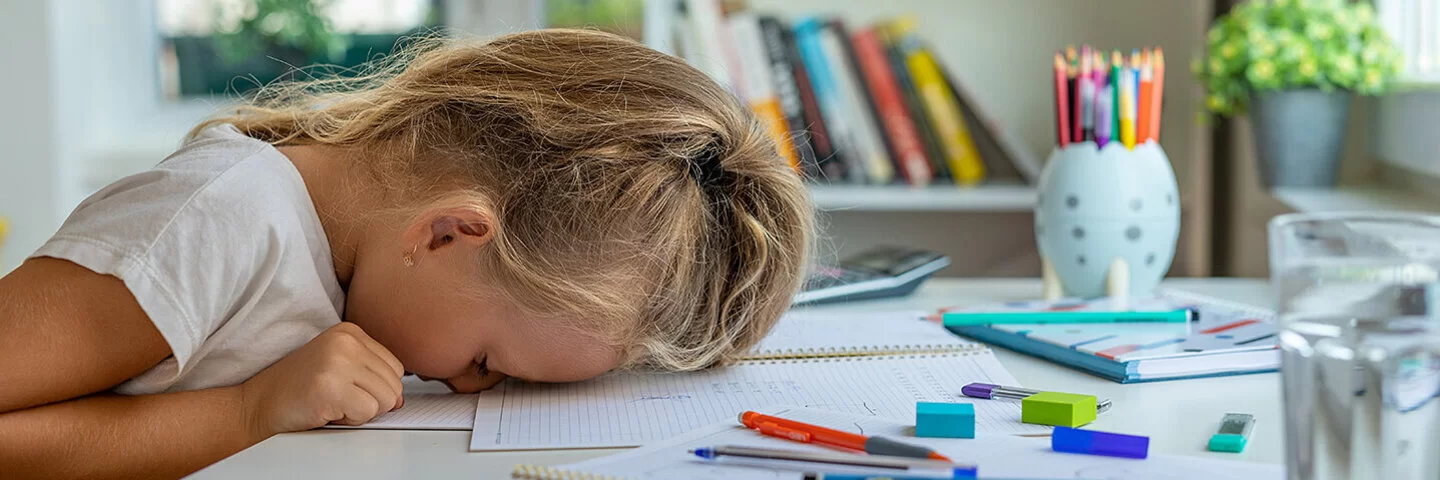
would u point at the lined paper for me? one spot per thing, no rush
(628, 409)
(428, 406)
(802, 333)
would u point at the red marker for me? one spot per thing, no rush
(807, 433)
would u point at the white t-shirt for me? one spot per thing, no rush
(222, 248)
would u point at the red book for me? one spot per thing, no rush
(894, 116)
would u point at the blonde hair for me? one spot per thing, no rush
(628, 189)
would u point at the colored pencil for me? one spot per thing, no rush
(1086, 82)
(1142, 116)
(1072, 90)
(1116, 79)
(1103, 111)
(1062, 103)
(1157, 91)
(1126, 109)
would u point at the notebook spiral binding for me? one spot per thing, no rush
(967, 350)
(850, 352)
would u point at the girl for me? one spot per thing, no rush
(548, 206)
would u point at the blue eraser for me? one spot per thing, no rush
(1090, 442)
(944, 420)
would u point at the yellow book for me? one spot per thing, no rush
(941, 108)
(774, 121)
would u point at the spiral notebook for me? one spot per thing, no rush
(821, 334)
(632, 408)
(1229, 339)
(996, 455)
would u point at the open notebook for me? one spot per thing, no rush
(996, 455)
(799, 334)
(1229, 339)
(870, 364)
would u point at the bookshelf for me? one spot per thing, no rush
(936, 198)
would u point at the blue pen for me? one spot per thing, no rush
(906, 467)
(854, 476)
(851, 476)
(963, 319)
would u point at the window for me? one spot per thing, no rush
(623, 17)
(1415, 27)
(217, 47)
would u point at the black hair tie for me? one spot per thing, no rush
(706, 167)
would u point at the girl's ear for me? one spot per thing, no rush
(464, 225)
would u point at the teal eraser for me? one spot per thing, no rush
(1234, 433)
(1227, 442)
(944, 420)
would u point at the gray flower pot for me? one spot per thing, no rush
(1298, 135)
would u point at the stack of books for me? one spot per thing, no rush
(872, 105)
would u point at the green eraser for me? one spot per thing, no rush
(1058, 409)
(1227, 442)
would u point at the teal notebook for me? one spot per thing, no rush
(1229, 338)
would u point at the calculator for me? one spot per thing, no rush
(879, 272)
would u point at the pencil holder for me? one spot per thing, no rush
(1106, 220)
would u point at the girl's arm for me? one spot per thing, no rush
(117, 436)
(67, 332)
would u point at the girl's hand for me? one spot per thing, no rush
(341, 376)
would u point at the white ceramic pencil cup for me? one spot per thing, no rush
(1106, 220)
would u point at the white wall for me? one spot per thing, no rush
(33, 192)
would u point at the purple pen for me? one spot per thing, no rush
(991, 391)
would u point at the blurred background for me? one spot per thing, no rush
(94, 90)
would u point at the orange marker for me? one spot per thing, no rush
(1157, 93)
(807, 433)
(1143, 112)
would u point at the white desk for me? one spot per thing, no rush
(1179, 416)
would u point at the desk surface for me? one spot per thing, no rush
(1179, 416)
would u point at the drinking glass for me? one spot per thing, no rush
(1359, 305)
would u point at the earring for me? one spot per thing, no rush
(410, 256)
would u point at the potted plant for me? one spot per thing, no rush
(1293, 65)
(266, 39)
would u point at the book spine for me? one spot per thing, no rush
(710, 34)
(758, 83)
(923, 129)
(807, 38)
(827, 165)
(944, 113)
(907, 151)
(869, 146)
(787, 92)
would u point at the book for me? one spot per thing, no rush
(1229, 339)
(998, 456)
(828, 98)
(712, 39)
(866, 139)
(631, 408)
(914, 105)
(792, 107)
(828, 163)
(757, 83)
(905, 147)
(966, 168)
